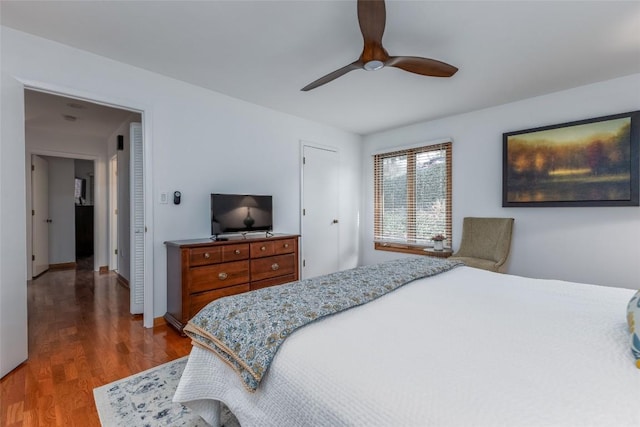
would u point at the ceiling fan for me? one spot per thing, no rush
(372, 17)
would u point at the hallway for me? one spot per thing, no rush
(81, 335)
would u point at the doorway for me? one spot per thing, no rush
(84, 212)
(320, 223)
(59, 125)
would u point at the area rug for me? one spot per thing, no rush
(145, 399)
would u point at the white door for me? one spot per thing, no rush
(136, 279)
(39, 215)
(113, 213)
(320, 222)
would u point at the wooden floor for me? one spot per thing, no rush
(81, 336)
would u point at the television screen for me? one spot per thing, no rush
(239, 213)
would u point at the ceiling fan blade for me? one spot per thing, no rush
(334, 75)
(424, 66)
(371, 17)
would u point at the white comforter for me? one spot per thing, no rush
(464, 348)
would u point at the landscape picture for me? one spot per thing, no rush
(588, 163)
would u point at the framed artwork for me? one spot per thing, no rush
(590, 162)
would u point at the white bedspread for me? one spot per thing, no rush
(465, 348)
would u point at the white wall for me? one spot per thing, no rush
(62, 230)
(592, 245)
(201, 142)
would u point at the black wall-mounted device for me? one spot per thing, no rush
(120, 142)
(176, 197)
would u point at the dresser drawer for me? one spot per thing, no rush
(235, 252)
(274, 247)
(218, 276)
(279, 265)
(284, 246)
(262, 249)
(198, 301)
(204, 256)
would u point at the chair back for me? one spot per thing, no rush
(486, 238)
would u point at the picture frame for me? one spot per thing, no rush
(592, 162)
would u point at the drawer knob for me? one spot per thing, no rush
(263, 248)
(237, 252)
(286, 245)
(275, 266)
(222, 276)
(206, 255)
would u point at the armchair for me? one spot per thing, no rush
(485, 243)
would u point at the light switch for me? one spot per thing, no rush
(164, 198)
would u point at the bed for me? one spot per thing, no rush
(465, 347)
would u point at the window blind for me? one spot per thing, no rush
(413, 195)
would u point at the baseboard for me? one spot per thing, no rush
(38, 275)
(124, 282)
(63, 266)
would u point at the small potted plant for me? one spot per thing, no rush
(438, 242)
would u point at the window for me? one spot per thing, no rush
(412, 197)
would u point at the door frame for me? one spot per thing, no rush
(146, 119)
(304, 143)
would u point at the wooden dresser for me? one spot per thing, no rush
(199, 271)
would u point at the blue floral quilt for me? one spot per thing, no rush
(246, 330)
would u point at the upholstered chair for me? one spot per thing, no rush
(485, 243)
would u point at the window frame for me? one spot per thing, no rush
(410, 245)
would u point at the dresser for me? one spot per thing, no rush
(201, 270)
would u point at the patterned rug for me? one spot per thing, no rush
(144, 399)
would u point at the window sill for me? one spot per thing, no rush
(412, 249)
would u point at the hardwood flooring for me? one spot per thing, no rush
(81, 336)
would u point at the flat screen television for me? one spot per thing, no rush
(240, 213)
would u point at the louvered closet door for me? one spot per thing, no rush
(136, 282)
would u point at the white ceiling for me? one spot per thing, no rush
(265, 51)
(72, 116)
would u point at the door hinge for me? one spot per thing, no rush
(116, 252)
(115, 212)
(304, 212)
(33, 212)
(33, 257)
(304, 160)
(33, 167)
(145, 228)
(304, 262)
